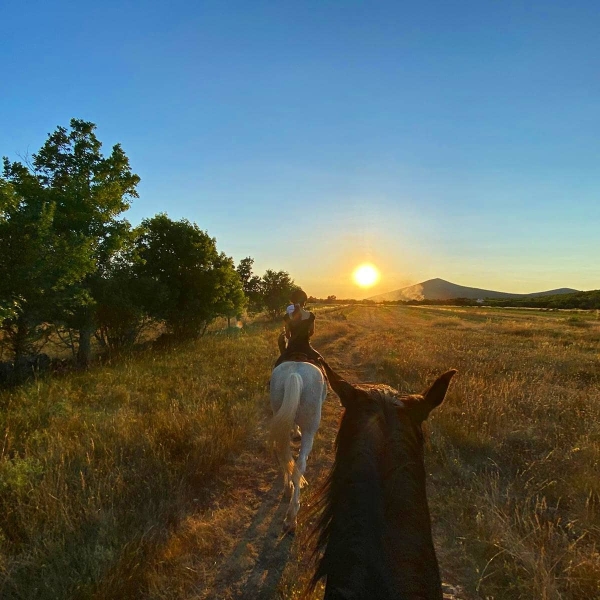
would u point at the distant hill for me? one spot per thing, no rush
(439, 289)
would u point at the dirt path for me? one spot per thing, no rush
(246, 513)
(245, 555)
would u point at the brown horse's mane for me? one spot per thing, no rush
(373, 458)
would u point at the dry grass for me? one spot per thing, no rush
(105, 478)
(515, 450)
(96, 469)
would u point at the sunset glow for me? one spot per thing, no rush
(365, 275)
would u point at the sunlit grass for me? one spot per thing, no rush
(102, 474)
(95, 468)
(515, 449)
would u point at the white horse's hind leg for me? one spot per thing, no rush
(298, 481)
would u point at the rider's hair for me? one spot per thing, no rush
(297, 312)
(298, 296)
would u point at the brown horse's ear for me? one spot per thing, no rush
(435, 395)
(340, 386)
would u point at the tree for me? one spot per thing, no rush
(37, 263)
(192, 282)
(251, 285)
(120, 295)
(232, 298)
(276, 288)
(9, 309)
(89, 192)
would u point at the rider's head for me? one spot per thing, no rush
(298, 296)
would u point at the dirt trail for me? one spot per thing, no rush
(249, 557)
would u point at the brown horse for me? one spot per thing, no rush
(374, 531)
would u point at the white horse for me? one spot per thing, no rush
(298, 390)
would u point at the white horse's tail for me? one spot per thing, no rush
(282, 424)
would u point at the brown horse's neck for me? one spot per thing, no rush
(379, 542)
(353, 558)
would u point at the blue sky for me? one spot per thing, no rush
(453, 139)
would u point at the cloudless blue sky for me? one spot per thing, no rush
(453, 139)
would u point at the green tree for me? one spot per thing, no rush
(120, 294)
(276, 288)
(251, 285)
(192, 283)
(232, 297)
(37, 263)
(89, 192)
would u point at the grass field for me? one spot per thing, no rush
(103, 474)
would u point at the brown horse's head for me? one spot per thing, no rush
(374, 530)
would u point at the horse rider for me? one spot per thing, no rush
(299, 323)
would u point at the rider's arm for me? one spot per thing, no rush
(286, 323)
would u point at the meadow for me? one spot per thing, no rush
(111, 481)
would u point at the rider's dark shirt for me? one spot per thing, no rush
(299, 340)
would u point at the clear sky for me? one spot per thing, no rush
(454, 139)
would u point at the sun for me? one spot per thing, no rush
(365, 275)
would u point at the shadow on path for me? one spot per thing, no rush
(256, 563)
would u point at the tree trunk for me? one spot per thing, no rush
(84, 352)
(19, 342)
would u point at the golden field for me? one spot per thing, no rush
(150, 478)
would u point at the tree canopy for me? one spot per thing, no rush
(251, 285)
(276, 288)
(70, 261)
(192, 282)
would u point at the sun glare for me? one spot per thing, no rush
(365, 275)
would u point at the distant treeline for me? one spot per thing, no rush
(576, 300)
(582, 300)
(73, 269)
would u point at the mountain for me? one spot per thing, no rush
(439, 289)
